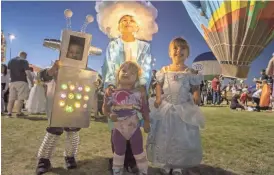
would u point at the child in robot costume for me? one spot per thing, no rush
(53, 133)
(49, 76)
(130, 25)
(122, 107)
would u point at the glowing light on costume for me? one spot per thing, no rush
(85, 106)
(69, 108)
(77, 105)
(78, 96)
(71, 96)
(64, 86)
(86, 97)
(62, 103)
(80, 88)
(63, 95)
(72, 87)
(87, 88)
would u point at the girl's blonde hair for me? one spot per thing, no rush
(179, 41)
(133, 67)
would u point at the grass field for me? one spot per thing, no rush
(239, 143)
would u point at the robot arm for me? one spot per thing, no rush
(52, 43)
(56, 45)
(94, 51)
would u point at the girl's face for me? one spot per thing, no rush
(128, 76)
(178, 52)
(75, 52)
(127, 25)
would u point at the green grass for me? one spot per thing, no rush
(233, 142)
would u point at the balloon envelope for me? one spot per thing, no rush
(236, 31)
(207, 65)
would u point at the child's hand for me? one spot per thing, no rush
(56, 65)
(113, 117)
(109, 91)
(157, 103)
(146, 126)
(196, 99)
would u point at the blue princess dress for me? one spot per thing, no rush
(174, 140)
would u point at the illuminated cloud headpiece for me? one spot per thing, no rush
(144, 13)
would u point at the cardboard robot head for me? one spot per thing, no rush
(74, 46)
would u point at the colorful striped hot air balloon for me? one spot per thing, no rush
(207, 65)
(236, 31)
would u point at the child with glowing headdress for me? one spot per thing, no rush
(129, 25)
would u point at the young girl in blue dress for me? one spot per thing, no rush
(174, 141)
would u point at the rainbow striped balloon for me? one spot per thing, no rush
(235, 31)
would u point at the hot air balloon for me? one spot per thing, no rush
(236, 31)
(207, 65)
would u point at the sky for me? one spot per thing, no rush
(32, 22)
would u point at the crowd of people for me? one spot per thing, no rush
(21, 88)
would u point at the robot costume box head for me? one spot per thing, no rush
(72, 97)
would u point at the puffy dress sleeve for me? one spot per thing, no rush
(195, 79)
(160, 77)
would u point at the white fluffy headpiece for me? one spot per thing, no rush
(109, 14)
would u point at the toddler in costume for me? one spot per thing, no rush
(130, 26)
(37, 100)
(122, 107)
(53, 133)
(174, 141)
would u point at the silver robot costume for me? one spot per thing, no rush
(63, 112)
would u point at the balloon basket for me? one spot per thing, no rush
(235, 71)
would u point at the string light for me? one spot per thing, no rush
(80, 88)
(62, 103)
(78, 96)
(64, 86)
(77, 105)
(71, 96)
(86, 98)
(87, 89)
(69, 109)
(63, 95)
(72, 87)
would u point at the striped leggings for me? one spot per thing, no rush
(52, 136)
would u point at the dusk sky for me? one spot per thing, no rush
(32, 22)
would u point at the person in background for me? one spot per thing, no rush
(33, 76)
(263, 75)
(5, 80)
(19, 88)
(265, 96)
(256, 98)
(235, 104)
(270, 72)
(203, 89)
(216, 90)
(244, 96)
(234, 89)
